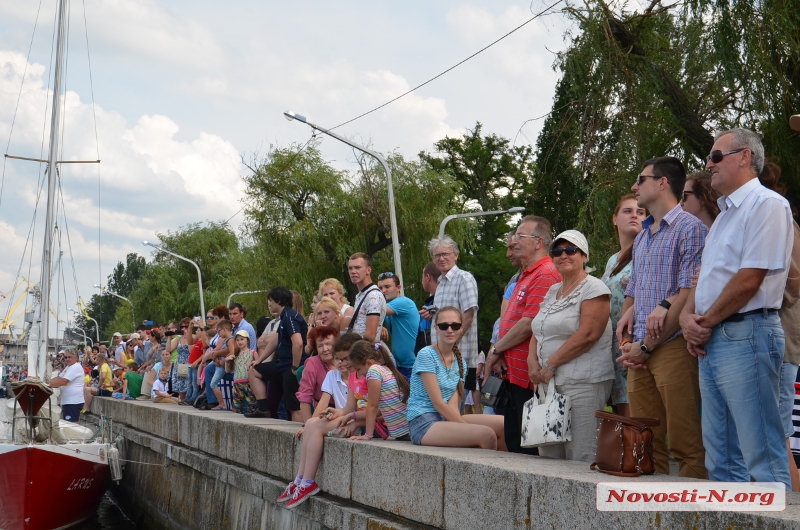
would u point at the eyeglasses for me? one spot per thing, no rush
(211, 317)
(184, 327)
(686, 195)
(716, 155)
(441, 255)
(345, 360)
(516, 237)
(570, 251)
(444, 325)
(385, 275)
(640, 178)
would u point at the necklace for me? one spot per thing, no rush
(448, 371)
(560, 294)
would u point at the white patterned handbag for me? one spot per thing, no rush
(546, 419)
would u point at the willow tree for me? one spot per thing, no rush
(305, 218)
(660, 79)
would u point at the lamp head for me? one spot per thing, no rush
(291, 116)
(97, 286)
(516, 209)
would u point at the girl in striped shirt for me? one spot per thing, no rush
(387, 389)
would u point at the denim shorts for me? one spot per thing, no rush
(420, 425)
(218, 375)
(787, 393)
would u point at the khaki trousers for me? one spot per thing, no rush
(670, 391)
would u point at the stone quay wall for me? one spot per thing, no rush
(218, 470)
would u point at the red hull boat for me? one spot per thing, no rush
(47, 487)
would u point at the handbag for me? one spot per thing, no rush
(183, 370)
(546, 420)
(624, 445)
(494, 393)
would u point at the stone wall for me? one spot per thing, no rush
(225, 471)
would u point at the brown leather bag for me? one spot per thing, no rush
(624, 445)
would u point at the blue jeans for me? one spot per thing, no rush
(194, 389)
(210, 370)
(739, 376)
(787, 395)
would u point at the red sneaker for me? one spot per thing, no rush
(301, 494)
(288, 492)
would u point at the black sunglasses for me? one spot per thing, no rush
(384, 275)
(640, 178)
(444, 325)
(570, 251)
(686, 195)
(716, 155)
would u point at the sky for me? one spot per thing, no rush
(179, 92)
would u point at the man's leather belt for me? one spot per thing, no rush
(738, 317)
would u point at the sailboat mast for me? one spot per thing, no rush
(40, 362)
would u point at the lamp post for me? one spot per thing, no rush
(96, 325)
(112, 293)
(242, 292)
(86, 339)
(449, 218)
(199, 276)
(398, 268)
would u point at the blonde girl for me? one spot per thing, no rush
(437, 383)
(333, 288)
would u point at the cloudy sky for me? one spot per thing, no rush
(183, 89)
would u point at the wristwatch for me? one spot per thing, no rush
(644, 348)
(666, 305)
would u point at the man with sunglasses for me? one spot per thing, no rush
(662, 375)
(731, 320)
(531, 245)
(71, 378)
(402, 321)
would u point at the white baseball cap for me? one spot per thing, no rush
(574, 237)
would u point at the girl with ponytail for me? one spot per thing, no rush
(387, 389)
(437, 383)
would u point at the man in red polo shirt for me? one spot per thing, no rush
(533, 238)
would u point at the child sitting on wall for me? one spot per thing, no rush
(160, 389)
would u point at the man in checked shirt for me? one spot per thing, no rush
(662, 375)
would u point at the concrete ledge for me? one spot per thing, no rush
(435, 487)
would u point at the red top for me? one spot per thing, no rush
(311, 382)
(197, 351)
(531, 288)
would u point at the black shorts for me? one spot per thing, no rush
(470, 381)
(285, 378)
(72, 412)
(104, 393)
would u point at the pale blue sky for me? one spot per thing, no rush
(183, 88)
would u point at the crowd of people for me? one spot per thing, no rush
(691, 323)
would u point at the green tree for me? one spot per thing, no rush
(492, 175)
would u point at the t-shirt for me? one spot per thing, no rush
(374, 304)
(72, 393)
(428, 361)
(333, 385)
(197, 351)
(291, 322)
(105, 377)
(241, 364)
(391, 403)
(358, 386)
(134, 384)
(403, 327)
(160, 386)
(425, 325)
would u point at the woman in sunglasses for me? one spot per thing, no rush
(571, 340)
(699, 198)
(437, 384)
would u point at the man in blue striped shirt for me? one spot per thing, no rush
(663, 376)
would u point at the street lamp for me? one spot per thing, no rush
(242, 292)
(515, 209)
(107, 291)
(96, 325)
(199, 276)
(398, 269)
(86, 339)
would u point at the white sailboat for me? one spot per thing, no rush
(51, 475)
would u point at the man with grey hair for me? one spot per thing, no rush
(731, 319)
(531, 248)
(456, 288)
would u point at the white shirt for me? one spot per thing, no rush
(333, 385)
(753, 231)
(374, 304)
(72, 393)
